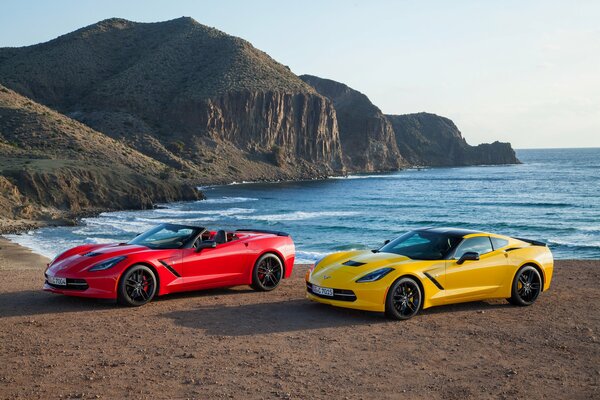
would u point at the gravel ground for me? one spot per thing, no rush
(237, 343)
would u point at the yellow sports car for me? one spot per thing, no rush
(432, 266)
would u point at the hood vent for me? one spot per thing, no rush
(351, 263)
(92, 254)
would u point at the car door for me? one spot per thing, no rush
(476, 279)
(222, 265)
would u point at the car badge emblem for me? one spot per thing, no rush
(326, 276)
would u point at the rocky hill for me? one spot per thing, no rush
(52, 166)
(184, 94)
(367, 137)
(428, 139)
(122, 114)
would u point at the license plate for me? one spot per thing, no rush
(53, 280)
(322, 291)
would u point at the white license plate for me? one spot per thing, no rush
(53, 280)
(322, 291)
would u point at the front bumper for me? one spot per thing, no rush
(368, 298)
(95, 287)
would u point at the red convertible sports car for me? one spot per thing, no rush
(172, 258)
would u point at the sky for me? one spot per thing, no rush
(525, 72)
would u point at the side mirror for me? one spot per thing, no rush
(386, 242)
(468, 256)
(209, 244)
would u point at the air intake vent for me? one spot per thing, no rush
(351, 263)
(91, 254)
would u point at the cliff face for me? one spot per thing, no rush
(428, 139)
(300, 125)
(367, 137)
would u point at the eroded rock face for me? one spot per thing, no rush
(367, 137)
(76, 189)
(301, 125)
(429, 139)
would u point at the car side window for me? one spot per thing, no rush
(499, 243)
(478, 244)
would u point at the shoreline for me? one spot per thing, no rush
(13, 256)
(72, 218)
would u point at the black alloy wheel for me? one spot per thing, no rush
(137, 286)
(403, 299)
(267, 274)
(527, 286)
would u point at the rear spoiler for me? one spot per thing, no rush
(278, 233)
(533, 242)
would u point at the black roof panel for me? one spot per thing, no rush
(452, 231)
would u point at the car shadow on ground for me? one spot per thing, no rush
(476, 306)
(297, 315)
(38, 302)
(269, 317)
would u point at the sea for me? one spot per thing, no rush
(553, 196)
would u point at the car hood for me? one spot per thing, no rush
(80, 261)
(352, 265)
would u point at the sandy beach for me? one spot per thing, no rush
(236, 343)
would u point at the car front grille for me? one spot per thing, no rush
(72, 284)
(338, 294)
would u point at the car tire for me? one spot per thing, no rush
(404, 299)
(137, 286)
(267, 273)
(526, 286)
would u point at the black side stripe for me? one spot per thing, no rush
(170, 268)
(435, 282)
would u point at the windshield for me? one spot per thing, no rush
(422, 245)
(167, 236)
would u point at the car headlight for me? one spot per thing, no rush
(375, 275)
(104, 265)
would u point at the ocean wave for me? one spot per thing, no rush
(581, 245)
(95, 226)
(227, 200)
(298, 215)
(99, 240)
(44, 248)
(228, 212)
(382, 176)
(308, 257)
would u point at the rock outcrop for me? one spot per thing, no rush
(428, 139)
(50, 164)
(367, 136)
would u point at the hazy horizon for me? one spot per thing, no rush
(519, 72)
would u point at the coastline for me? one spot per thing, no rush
(71, 218)
(13, 256)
